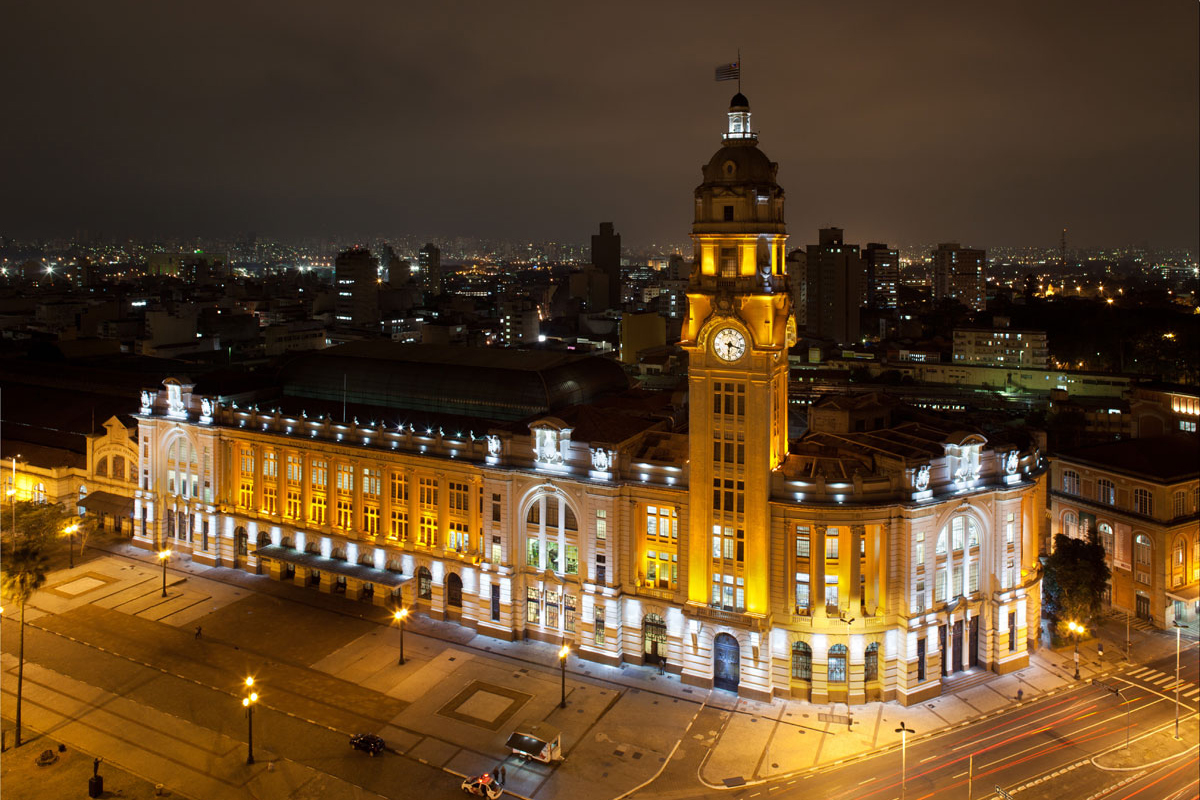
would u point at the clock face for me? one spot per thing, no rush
(729, 344)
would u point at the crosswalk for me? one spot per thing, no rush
(1165, 682)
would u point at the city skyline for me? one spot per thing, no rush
(960, 125)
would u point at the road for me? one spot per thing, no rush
(1041, 749)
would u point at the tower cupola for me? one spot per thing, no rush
(739, 119)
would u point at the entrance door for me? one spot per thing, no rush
(1143, 607)
(973, 645)
(654, 639)
(956, 650)
(454, 590)
(942, 646)
(725, 662)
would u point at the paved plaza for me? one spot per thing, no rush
(328, 667)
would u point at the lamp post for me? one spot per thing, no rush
(562, 666)
(1128, 647)
(849, 717)
(1178, 629)
(400, 615)
(164, 556)
(904, 731)
(13, 492)
(70, 532)
(248, 703)
(1076, 629)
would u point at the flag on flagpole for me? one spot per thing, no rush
(729, 72)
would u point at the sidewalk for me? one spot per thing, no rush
(461, 693)
(758, 741)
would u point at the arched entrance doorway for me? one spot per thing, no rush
(424, 584)
(726, 662)
(654, 639)
(454, 591)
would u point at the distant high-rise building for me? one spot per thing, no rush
(883, 274)
(958, 272)
(606, 257)
(356, 280)
(836, 279)
(430, 261)
(797, 272)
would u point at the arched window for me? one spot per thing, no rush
(102, 467)
(871, 663)
(1070, 524)
(243, 541)
(118, 468)
(1106, 538)
(1142, 554)
(837, 663)
(1106, 492)
(1143, 502)
(551, 535)
(454, 590)
(1179, 562)
(1071, 481)
(424, 583)
(801, 661)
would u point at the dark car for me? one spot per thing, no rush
(369, 743)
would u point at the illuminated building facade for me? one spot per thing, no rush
(534, 495)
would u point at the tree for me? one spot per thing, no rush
(40, 522)
(24, 573)
(1074, 580)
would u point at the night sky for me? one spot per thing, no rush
(901, 122)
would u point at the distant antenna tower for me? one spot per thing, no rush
(1062, 249)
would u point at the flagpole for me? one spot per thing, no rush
(739, 70)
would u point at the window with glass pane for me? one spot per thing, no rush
(801, 661)
(837, 663)
(802, 541)
(802, 596)
(533, 552)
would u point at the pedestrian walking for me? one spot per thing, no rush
(197, 631)
(1020, 694)
(1100, 649)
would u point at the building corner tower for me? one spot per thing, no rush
(737, 333)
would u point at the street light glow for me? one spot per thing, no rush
(249, 681)
(164, 554)
(564, 652)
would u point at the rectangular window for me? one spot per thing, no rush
(802, 596)
(496, 551)
(939, 585)
(270, 499)
(319, 473)
(601, 570)
(919, 601)
(533, 552)
(428, 494)
(533, 610)
(598, 624)
(495, 602)
(458, 538)
(399, 488)
(1012, 631)
(1010, 528)
(802, 541)
(427, 534)
(601, 525)
(973, 577)
(293, 503)
(371, 520)
(371, 483)
(294, 470)
(345, 478)
(495, 508)
(345, 515)
(831, 544)
(398, 529)
(572, 565)
(246, 494)
(316, 511)
(831, 590)
(458, 498)
(552, 555)
(921, 659)
(270, 465)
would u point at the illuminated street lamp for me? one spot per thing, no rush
(904, 731)
(562, 666)
(400, 615)
(70, 532)
(1076, 629)
(248, 703)
(1179, 626)
(164, 556)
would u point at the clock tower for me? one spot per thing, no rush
(737, 333)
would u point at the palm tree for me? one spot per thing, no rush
(24, 574)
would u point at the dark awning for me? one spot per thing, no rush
(108, 503)
(291, 555)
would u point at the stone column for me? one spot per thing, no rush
(475, 524)
(356, 511)
(305, 488)
(816, 566)
(872, 597)
(853, 569)
(443, 510)
(414, 504)
(257, 450)
(280, 482)
(385, 503)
